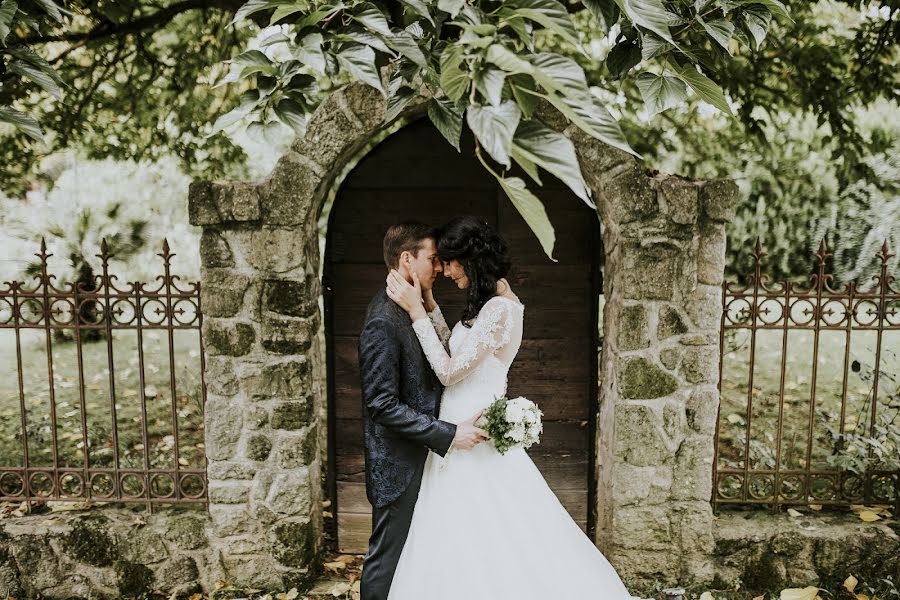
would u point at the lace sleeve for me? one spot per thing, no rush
(440, 327)
(490, 332)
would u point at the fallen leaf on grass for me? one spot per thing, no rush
(807, 593)
(868, 516)
(335, 567)
(794, 513)
(706, 596)
(850, 583)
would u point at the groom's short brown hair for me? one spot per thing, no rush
(404, 237)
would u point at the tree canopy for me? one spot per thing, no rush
(134, 77)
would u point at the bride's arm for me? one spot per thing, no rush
(490, 332)
(440, 326)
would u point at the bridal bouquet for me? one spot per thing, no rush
(512, 423)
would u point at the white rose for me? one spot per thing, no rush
(517, 433)
(514, 413)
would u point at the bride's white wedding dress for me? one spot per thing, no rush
(486, 525)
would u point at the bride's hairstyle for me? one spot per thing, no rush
(483, 255)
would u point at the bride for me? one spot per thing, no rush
(486, 525)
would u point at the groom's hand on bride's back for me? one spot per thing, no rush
(467, 434)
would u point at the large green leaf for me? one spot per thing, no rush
(404, 43)
(508, 60)
(359, 61)
(652, 45)
(554, 152)
(649, 14)
(454, 81)
(660, 92)
(254, 61)
(309, 52)
(8, 10)
(757, 20)
(447, 119)
(29, 55)
(28, 71)
(494, 126)
(489, 82)
(364, 36)
(775, 7)
(705, 87)
(292, 114)
(623, 57)
(523, 29)
(54, 10)
(559, 73)
(373, 19)
(720, 30)
(532, 210)
(451, 6)
(529, 167)
(252, 7)
(549, 13)
(592, 118)
(248, 101)
(605, 11)
(524, 92)
(288, 9)
(22, 122)
(397, 102)
(420, 7)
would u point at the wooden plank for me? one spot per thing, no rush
(418, 156)
(353, 530)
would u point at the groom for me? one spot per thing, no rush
(401, 396)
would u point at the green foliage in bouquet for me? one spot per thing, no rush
(497, 426)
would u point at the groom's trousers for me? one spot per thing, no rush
(390, 526)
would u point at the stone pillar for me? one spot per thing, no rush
(259, 274)
(664, 239)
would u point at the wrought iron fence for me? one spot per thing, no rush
(810, 403)
(84, 425)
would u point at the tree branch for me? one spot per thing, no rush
(154, 21)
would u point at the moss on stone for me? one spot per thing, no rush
(291, 415)
(639, 378)
(187, 532)
(670, 323)
(88, 541)
(633, 334)
(259, 447)
(133, 579)
(294, 542)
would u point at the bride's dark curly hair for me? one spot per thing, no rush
(483, 255)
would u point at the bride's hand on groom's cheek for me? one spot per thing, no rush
(408, 297)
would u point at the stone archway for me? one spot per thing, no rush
(665, 243)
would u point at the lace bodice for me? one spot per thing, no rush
(496, 333)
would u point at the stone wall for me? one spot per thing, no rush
(107, 553)
(665, 244)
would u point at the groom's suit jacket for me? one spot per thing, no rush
(401, 396)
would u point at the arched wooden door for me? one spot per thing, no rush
(415, 174)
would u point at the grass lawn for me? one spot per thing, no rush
(798, 447)
(160, 447)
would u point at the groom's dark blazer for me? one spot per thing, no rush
(401, 396)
